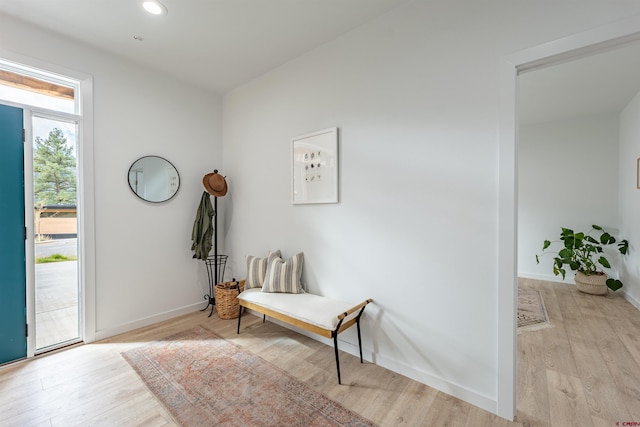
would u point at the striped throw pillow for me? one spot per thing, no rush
(257, 269)
(284, 275)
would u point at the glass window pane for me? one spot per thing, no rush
(56, 233)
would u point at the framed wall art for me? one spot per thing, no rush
(314, 172)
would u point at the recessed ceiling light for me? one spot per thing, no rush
(154, 7)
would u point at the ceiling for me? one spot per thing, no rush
(222, 44)
(215, 44)
(596, 84)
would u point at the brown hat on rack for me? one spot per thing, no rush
(215, 184)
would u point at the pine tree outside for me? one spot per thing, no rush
(54, 166)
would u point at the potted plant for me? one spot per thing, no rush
(583, 253)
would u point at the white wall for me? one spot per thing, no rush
(552, 195)
(630, 197)
(144, 269)
(414, 94)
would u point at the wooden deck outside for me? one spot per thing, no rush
(53, 221)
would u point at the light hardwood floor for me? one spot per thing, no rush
(584, 372)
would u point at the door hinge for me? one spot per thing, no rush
(26, 330)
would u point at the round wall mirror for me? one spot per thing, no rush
(154, 179)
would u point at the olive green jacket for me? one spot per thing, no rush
(203, 228)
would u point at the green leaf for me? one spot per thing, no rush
(574, 265)
(546, 244)
(623, 247)
(604, 239)
(603, 261)
(614, 284)
(537, 260)
(566, 253)
(596, 227)
(590, 239)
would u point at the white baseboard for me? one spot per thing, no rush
(548, 278)
(470, 396)
(633, 301)
(456, 390)
(146, 321)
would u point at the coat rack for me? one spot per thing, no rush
(216, 186)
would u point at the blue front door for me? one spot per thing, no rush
(13, 337)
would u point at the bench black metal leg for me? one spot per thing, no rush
(335, 346)
(359, 339)
(239, 317)
(359, 336)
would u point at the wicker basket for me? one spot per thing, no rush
(594, 284)
(227, 304)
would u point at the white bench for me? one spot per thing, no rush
(313, 313)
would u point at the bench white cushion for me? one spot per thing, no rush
(312, 309)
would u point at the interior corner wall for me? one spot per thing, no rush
(630, 197)
(414, 94)
(551, 195)
(144, 266)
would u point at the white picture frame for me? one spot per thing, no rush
(314, 167)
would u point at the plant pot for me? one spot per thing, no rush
(594, 284)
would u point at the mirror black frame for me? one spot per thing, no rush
(131, 185)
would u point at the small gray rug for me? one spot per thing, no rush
(532, 314)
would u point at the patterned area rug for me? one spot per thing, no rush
(532, 314)
(204, 380)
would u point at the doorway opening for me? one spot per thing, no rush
(51, 175)
(572, 47)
